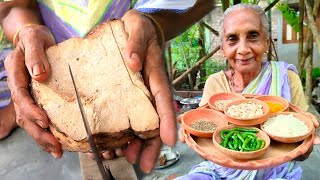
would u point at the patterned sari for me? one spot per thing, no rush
(75, 18)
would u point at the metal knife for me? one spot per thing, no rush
(105, 171)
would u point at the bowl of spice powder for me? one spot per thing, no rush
(202, 122)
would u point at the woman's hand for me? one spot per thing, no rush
(29, 59)
(144, 54)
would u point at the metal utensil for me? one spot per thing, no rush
(105, 171)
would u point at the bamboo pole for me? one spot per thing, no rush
(170, 66)
(187, 63)
(202, 60)
(309, 68)
(312, 24)
(301, 57)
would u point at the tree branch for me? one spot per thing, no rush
(209, 28)
(271, 5)
(202, 60)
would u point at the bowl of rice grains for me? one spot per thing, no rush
(275, 103)
(246, 112)
(241, 142)
(202, 122)
(219, 100)
(288, 127)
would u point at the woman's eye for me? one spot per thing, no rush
(253, 36)
(232, 39)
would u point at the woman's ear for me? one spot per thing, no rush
(268, 44)
(221, 50)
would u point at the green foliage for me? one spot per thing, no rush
(189, 41)
(212, 67)
(290, 15)
(315, 73)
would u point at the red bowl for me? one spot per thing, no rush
(223, 96)
(195, 115)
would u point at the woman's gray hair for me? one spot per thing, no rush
(257, 9)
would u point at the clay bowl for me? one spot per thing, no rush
(223, 96)
(250, 96)
(241, 155)
(274, 99)
(247, 121)
(202, 115)
(291, 139)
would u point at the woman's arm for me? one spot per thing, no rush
(16, 14)
(172, 23)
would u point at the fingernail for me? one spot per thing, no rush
(38, 69)
(135, 56)
(54, 155)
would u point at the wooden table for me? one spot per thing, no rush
(119, 167)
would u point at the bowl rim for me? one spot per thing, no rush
(264, 104)
(212, 106)
(219, 129)
(206, 110)
(289, 139)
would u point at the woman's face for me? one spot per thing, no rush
(244, 42)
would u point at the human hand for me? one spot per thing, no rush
(305, 155)
(180, 131)
(29, 59)
(143, 53)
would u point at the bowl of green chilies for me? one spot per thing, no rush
(240, 142)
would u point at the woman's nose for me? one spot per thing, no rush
(243, 47)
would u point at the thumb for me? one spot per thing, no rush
(34, 41)
(135, 52)
(181, 136)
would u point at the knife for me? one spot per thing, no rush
(105, 171)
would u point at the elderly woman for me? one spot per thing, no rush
(245, 40)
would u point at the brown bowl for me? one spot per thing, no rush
(250, 96)
(202, 115)
(222, 96)
(274, 99)
(239, 154)
(248, 121)
(292, 139)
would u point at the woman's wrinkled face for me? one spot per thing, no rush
(244, 41)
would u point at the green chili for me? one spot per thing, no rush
(230, 145)
(224, 133)
(245, 144)
(262, 143)
(249, 149)
(225, 141)
(236, 142)
(245, 130)
(258, 146)
(240, 145)
(239, 136)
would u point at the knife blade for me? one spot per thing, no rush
(105, 171)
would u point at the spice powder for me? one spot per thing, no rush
(202, 125)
